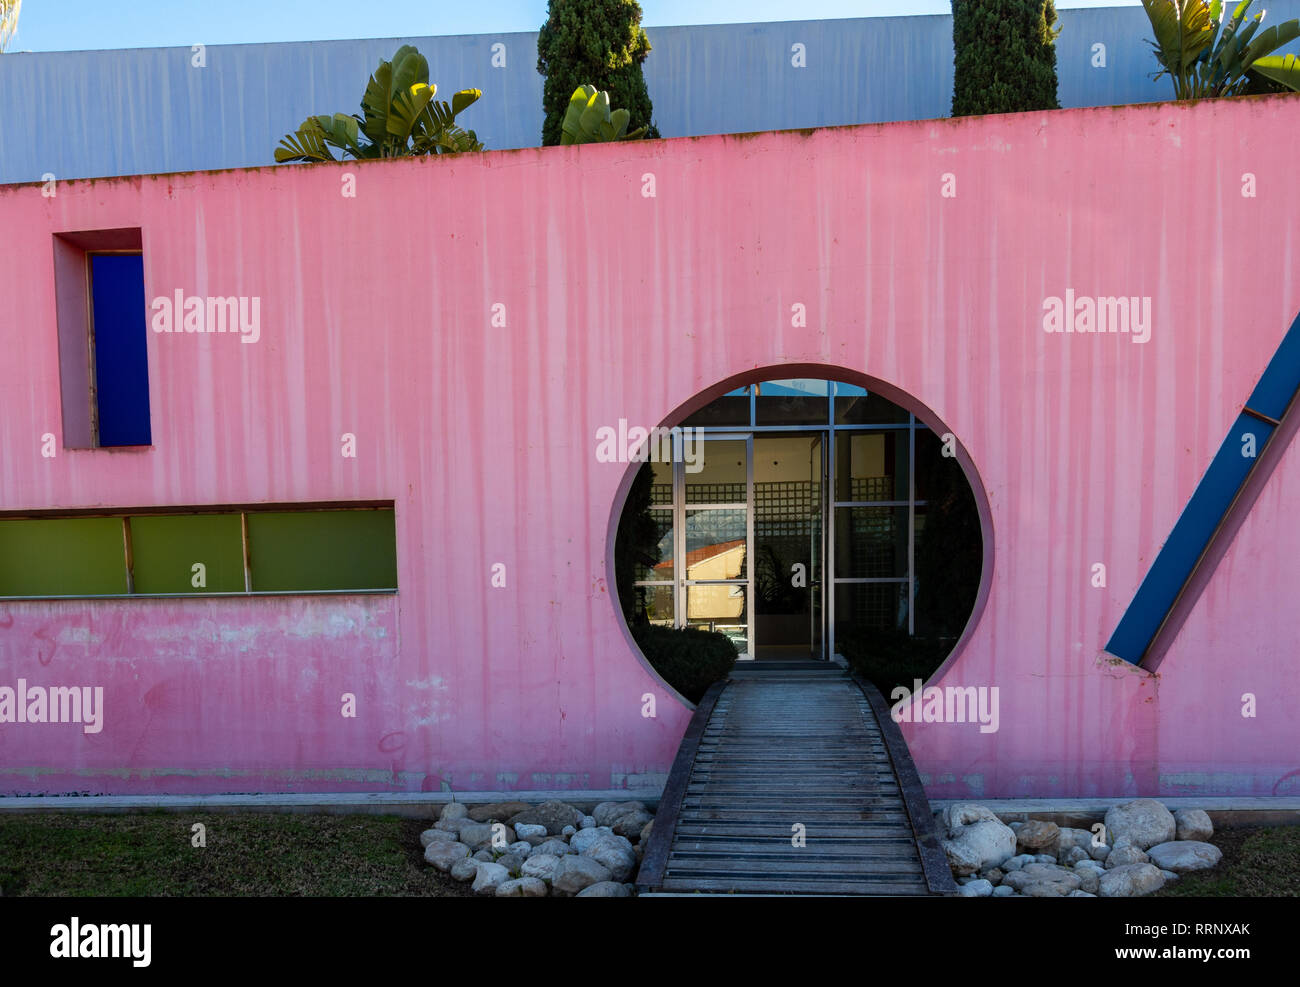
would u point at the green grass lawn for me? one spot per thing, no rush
(1257, 863)
(246, 854)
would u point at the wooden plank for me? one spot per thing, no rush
(779, 749)
(937, 873)
(688, 829)
(657, 848)
(757, 857)
(874, 887)
(810, 870)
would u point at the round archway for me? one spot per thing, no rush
(800, 519)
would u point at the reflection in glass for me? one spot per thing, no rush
(715, 544)
(661, 483)
(878, 605)
(871, 465)
(870, 542)
(721, 478)
(722, 608)
(662, 519)
(854, 406)
(656, 602)
(730, 409)
(792, 402)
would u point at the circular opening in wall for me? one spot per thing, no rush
(782, 519)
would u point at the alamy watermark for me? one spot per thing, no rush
(57, 704)
(1089, 314)
(236, 314)
(75, 941)
(650, 445)
(951, 704)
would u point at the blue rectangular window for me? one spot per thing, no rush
(119, 326)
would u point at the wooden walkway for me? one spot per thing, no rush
(786, 745)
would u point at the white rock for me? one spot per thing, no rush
(1193, 824)
(1017, 862)
(584, 838)
(974, 838)
(977, 889)
(1121, 856)
(588, 822)
(540, 866)
(529, 829)
(1130, 881)
(567, 831)
(453, 810)
(1041, 879)
(1080, 894)
(1074, 855)
(522, 887)
(464, 869)
(573, 873)
(1003, 891)
(1144, 821)
(1074, 837)
(489, 878)
(609, 813)
(443, 855)
(605, 889)
(1185, 855)
(556, 848)
(620, 859)
(436, 836)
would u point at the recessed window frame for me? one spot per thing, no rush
(243, 510)
(75, 309)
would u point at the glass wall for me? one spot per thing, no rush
(801, 520)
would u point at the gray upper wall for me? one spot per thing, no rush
(147, 110)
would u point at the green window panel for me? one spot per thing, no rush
(322, 550)
(62, 557)
(165, 550)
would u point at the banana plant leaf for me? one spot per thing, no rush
(1280, 68)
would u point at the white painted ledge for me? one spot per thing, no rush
(415, 804)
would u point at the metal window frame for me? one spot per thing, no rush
(128, 554)
(827, 504)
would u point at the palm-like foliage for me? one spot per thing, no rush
(400, 118)
(1205, 56)
(589, 120)
(8, 20)
(1280, 68)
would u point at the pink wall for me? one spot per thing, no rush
(376, 320)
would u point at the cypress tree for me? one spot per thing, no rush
(1004, 56)
(596, 42)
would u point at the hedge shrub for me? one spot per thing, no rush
(689, 660)
(889, 658)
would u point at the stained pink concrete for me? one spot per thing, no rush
(377, 320)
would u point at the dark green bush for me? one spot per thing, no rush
(593, 42)
(1005, 56)
(889, 658)
(689, 660)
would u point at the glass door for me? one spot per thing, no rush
(714, 534)
(816, 541)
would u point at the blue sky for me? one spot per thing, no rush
(72, 25)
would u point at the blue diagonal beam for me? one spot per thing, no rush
(1205, 512)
